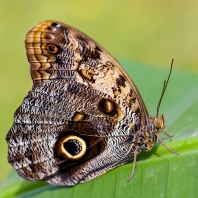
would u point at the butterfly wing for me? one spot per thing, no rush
(77, 121)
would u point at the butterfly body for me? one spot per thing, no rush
(83, 116)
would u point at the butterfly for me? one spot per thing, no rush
(83, 116)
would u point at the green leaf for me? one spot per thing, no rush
(158, 173)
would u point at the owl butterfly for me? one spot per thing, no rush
(83, 117)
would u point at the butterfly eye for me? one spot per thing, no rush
(108, 107)
(53, 49)
(71, 147)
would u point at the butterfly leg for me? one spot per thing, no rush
(160, 139)
(169, 135)
(134, 163)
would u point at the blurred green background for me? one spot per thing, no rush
(150, 32)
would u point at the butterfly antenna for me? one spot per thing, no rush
(164, 88)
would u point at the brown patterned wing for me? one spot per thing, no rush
(77, 121)
(57, 51)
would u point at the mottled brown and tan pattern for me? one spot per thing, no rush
(84, 115)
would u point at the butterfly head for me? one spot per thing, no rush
(159, 123)
(156, 123)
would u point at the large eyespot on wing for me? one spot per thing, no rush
(71, 147)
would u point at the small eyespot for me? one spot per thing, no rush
(80, 116)
(53, 49)
(108, 107)
(71, 147)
